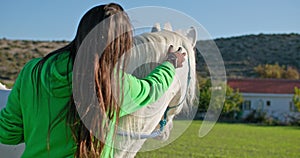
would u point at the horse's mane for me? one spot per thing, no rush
(152, 48)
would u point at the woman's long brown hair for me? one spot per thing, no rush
(119, 24)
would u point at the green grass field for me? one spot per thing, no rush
(232, 140)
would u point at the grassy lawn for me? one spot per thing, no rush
(232, 140)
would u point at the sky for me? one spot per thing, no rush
(58, 20)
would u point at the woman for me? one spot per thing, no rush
(41, 112)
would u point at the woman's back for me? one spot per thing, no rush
(40, 116)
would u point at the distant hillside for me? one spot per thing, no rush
(240, 54)
(15, 53)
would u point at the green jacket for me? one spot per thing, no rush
(27, 118)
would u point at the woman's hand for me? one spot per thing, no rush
(175, 57)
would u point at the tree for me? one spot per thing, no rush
(232, 103)
(232, 99)
(269, 71)
(291, 73)
(276, 71)
(296, 98)
(205, 95)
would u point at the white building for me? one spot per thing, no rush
(273, 96)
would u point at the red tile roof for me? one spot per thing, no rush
(274, 86)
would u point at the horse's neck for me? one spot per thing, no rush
(145, 53)
(143, 121)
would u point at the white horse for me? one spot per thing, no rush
(149, 50)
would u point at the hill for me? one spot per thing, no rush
(240, 54)
(15, 53)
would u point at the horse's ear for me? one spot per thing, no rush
(156, 27)
(191, 34)
(168, 26)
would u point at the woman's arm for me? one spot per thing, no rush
(11, 123)
(141, 92)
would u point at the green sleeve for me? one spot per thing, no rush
(11, 123)
(141, 92)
